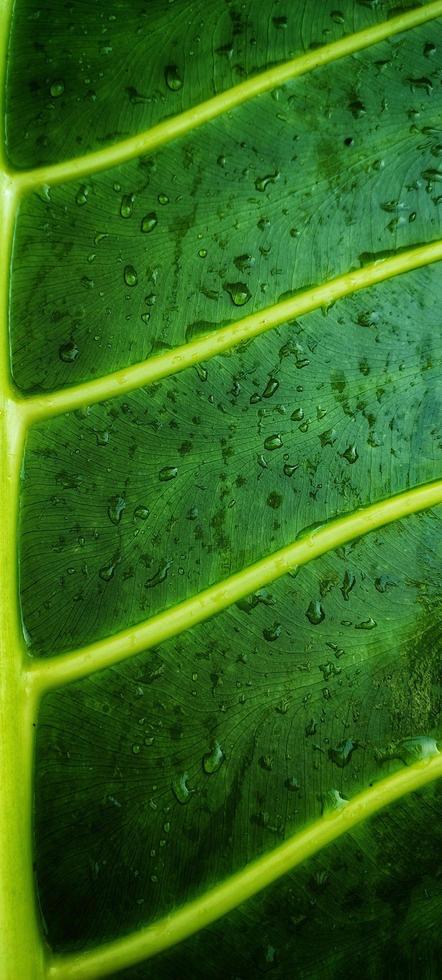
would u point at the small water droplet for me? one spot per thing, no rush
(168, 473)
(213, 759)
(348, 584)
(116, 509)
(57, 88)
(163, 199)
(270, 388)
(81, 195)
(262, 182)
(173, 78)
(107, 571)
(315, 613)
(160, 575)
(149, 222)
(351, 454)
(368, 624)
(341, 755)
(130, 275)
(273, 442)
(238, 291)
(328, 438)
(126, 206)
(142, 512)
(332, 800)
(181, 789)
(68, 352)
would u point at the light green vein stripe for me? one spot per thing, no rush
(170, 129)
(64, 668)
(216, 902)
(39, 407)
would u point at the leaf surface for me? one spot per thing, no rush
(222, 443)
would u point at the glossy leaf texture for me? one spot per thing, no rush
(167, 772)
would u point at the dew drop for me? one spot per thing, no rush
(130, 276)
(173, 78)
(213, 759)
(68, 352)
(57, 88)
(273, 442)
(351, 454)
(341, 755)
(81, 195)
(126, 206)
(168, 473)
(142, 512)
(149, 222)
(181, 789)
(315, 613)
(116, 509)
(238, 291)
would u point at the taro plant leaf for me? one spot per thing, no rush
(220, 421)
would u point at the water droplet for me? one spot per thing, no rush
(168, 473)
(429, 49)
(348, 584)
(81, 195)
(311, 727)
(107, 571)
(244, 262)
(213, 759)
(272, 633)
(368, 624)
(290, 469)
(270, 388)
(160, 575)
(202, 252)
(130, 275)
(266, 762)
(102, 438)
(328, 438)
(262, 182)
(173, 78)
(136, 748)
(68, 352)
(332, 800)
(351, 454)
(292, 784)
(341, 755)
(142, 512)
(126, 206)
(238, 291)
(181, 789)
(297, 415)
(413, 749)
(115, 509)
(315, 613)
(57, 88)
(163, 199)
(149, 222)
(273, 442)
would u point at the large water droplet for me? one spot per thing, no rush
(342, 754)
(173, 78)
(126, 206)
(115, 509)
(168, 473)
(213, 759)
(273, 442)
(238, 291)
(130, 275)
(149, 222)
(181, 789)
(315, 613)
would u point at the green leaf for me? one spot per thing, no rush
(219, 636)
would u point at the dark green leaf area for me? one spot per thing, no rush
(265, 200)
(369, 907)
(137, 503)
(83, 76)
(159, 778)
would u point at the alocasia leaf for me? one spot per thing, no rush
(221, 548)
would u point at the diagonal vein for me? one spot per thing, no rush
(161, 134)
(111, 957)
(44, 406)
(67, 667)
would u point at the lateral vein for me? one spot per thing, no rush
(259, 874)
(162, 133)
(43, 406)
(46, 674)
